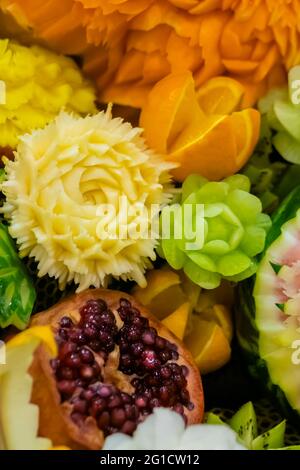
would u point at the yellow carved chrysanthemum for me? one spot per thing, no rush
(37, 84)
(57, 190)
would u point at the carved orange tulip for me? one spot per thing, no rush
(187, 127)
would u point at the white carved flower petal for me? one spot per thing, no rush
(209, 437)
(165, 429)
(161, 430)
(119, 441)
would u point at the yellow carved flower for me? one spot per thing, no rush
(37, 85)
(57, 194)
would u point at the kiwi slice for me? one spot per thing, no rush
(244, 423)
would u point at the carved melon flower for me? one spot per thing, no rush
(218, 230)
(165, 429)
(37, 84)
(139, 42)
(62, 187)
(251, 41)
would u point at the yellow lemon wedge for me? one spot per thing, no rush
(208, 345)
(163, 294)
(177, 321)
(221, 315)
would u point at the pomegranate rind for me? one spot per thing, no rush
(55, 419)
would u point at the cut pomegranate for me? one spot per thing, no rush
(115, 364)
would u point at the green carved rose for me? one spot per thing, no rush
(215, 231)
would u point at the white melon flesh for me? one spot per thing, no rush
(19, 418)
(277, 315)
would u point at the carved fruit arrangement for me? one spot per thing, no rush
(115, 364)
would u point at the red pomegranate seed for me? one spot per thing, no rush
(66, 349)
(160, 343)
(72, 360)
(63, 333)
(149, 359)
(130, 411)
(125, 398)
(86, 355)
(67, 373)
(79, 405)
(164, 393)
(178, 408)
(165, 356)
(128, 427)
(154, 403)
(95, 345)
(98, 405)
(90, 331)
(105, 391)
(104, 420)
(165, 372)
(141, 402)
(66, 387)
(157, 382)
(149, 337)
(66, 322)
(118, 417)
(86, 372)
(87, 394)
(137, 349)
(74, 335)
(114, 401)
(96, 369)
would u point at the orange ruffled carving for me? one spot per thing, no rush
(138, 42)
(253, 41)
(56, 23)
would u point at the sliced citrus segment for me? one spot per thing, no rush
(220, 95)
(34, 334)
(158, 281)
(208, 345)
(222, 316)
(163, 294)
(170, 108)
(177, 321)
(224, 294)
(221, 150)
